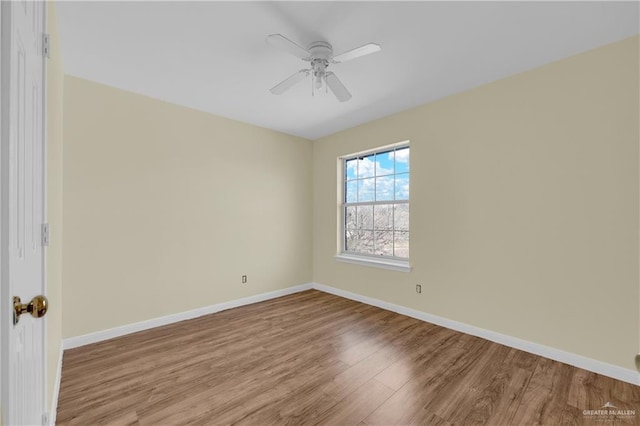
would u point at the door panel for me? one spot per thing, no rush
(25, 162)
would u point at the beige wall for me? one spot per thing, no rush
(524, 206)
(55, 79)
(166, 207)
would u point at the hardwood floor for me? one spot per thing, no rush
(315, 358)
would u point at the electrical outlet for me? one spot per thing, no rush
(418, 288)
(244, 279)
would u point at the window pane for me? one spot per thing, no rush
(384, 188)
(358, 241)
(351, 189)
(401, 217)
(366, 242)
(383, 243)
(402, 187)
(365, 217)
(401, 244)
(402, 160)
(351, 167)
(352, 241)
(365, 189)
(384, 163)
(383, 217)
(366, 166)
(350, 217)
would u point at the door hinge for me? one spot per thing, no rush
(45, 234)
(45, 45)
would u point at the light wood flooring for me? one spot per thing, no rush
(315, 358)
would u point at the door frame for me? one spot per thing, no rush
(4, 284)
(5, 296)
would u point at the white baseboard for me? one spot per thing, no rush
(56, 389)
(86, 339)
(614, 371)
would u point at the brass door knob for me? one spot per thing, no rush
(37, 307)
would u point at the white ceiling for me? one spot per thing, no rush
(212, 56)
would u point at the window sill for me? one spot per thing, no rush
(394, 265)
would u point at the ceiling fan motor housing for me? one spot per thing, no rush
(320, 50)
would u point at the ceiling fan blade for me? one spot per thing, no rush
(281, 42)
(367, 49)
(289, 82)
(337, 87)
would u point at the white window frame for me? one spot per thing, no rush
(385, 262)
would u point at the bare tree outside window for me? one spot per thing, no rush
(376, 203)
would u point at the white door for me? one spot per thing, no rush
(23, 209)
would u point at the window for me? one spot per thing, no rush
(375, 204)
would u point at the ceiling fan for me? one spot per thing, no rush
(319, 54)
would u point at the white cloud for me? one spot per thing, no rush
(365, 168)
(401, 155)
